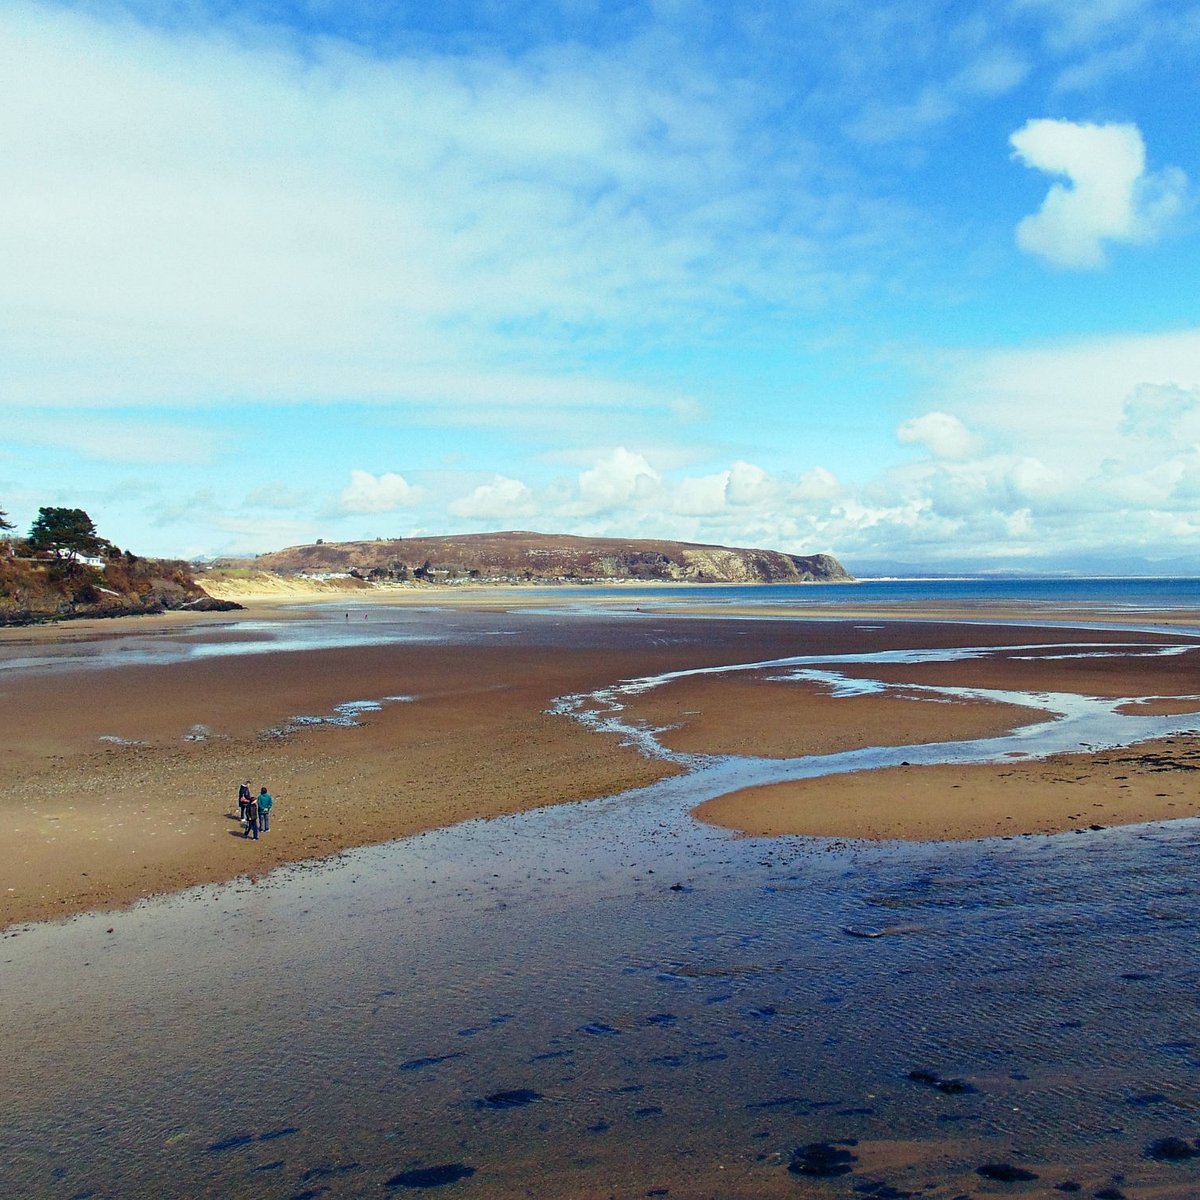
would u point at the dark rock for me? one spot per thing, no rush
(1109, 1193)
(949, 1087)
(1005, 1173)
(820, 1160)
(1170, 1149)
(1068, 1185)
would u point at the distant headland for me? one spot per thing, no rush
(521, 557)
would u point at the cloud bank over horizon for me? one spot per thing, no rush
(915, 290)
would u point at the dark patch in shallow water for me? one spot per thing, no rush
(1005, 1173)
(949, 1087)
(278, 1133)
(419, 1064)
(230, 1143)
(820, 1160)
(322, 1171)
(777, 1102)
(431, 1177)
(599, 1029)
(1170, 1149)
(516, 1098)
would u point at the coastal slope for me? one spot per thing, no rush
(45, 588)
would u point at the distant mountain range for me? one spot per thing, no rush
(546, 558)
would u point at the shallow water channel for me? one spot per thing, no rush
(609, 999)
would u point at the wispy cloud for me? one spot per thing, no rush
(220, 213)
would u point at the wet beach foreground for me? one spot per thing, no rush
(613, 998)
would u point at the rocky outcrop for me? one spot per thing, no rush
(533, 557)
(49, 589)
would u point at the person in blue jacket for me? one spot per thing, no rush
(265, 800)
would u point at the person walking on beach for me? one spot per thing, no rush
(251, 818)
(243, 797)
(265, 800)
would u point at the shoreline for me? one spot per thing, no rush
(93, 824)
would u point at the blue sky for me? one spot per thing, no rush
(911, 283)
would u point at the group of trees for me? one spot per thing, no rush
(65, 533)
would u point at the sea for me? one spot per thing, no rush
(611, 999)
(1102, 594)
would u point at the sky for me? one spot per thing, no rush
(910, 282)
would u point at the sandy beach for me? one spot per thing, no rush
(118, 782)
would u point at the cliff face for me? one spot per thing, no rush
(549, 558)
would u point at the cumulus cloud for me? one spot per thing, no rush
(1110, 196)
(622, 477)
(501, 498)
(942, 434)
(742, 486)
(817, 484)
(369, 493)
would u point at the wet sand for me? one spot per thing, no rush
(88, 823)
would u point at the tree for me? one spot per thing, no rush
(5, 523)
(66, 532)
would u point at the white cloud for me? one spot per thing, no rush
(701, 496)
(621, 478)
(942, 434)
(748, 485)
(743, 485)
(502, 498)
(1110, 198)
(369, 493)
(817, 484)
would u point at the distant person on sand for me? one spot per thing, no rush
(251, 819)
(265, 800)
(243, 797)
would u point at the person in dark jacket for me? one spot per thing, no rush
(243, 796)
(251, 818)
